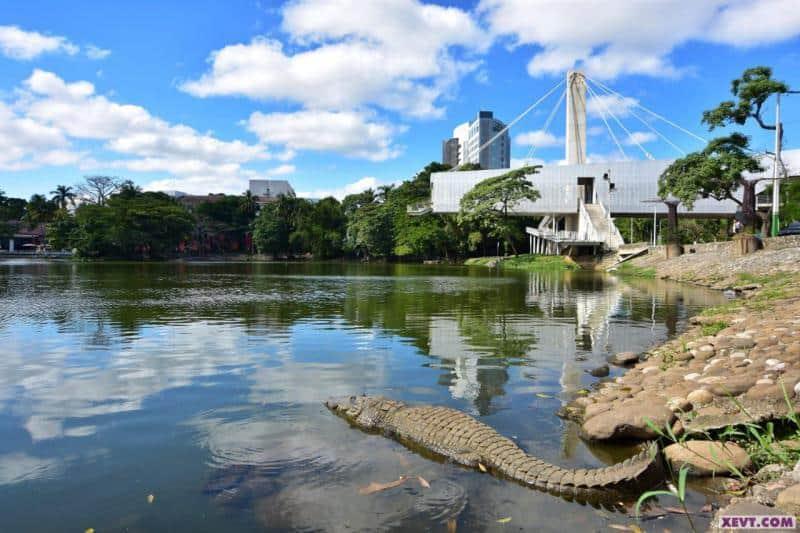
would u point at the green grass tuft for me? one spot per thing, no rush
(714, 328)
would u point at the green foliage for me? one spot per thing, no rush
(293, 226)
(131, 225)
(713, 328)
(752, 90)
(63, 195)
(39, 210)
(61, 230)
(527, 262)
(226, 212)
(486, 206)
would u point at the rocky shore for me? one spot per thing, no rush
(736, 368)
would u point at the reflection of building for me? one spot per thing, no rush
(268, 190)
(468, 138)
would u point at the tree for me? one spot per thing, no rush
(277, 221)
(61, 230)
(248, 205)
(63, 195)
(131, 224)
(717, 171)
(752, 89)
(486, 205)
(39, 210)
(98, 189)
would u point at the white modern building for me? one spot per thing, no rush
(268, 190)
(469, 137)
(579, 199)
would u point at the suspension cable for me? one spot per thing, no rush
(631, 138)
(643, 108)
(547, 123)
(603, 116)
(519, 117)
(647, 124)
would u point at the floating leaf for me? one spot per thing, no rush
(451, 525)
(676, 510)
(543, 395)
(505, 520)
(482, 468)
(423, 482)
(377, 487)
(635, 529)
(89, 530)
(619, 527)
(150, 498)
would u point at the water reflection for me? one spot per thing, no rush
(213, 375)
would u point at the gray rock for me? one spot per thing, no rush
(600, 371)
(628, 421)
(705, 457)
(625, 358)
(789, 500)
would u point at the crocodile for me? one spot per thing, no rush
(458, 437)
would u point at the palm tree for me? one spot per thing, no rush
(248, 204)
(63, 195)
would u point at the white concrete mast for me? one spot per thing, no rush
(576, 118)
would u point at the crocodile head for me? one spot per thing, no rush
(362, 411)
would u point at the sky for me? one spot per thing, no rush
(340, 95)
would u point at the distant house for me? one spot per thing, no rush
(267, 191)
(23, 238)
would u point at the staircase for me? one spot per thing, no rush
(599, 220)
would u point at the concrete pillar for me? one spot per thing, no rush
(576, 118)
(11, 245)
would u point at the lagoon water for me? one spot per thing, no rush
(202, 385)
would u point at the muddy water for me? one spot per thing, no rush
(202, 385)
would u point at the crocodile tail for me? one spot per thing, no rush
(631, 472)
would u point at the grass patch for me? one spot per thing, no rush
(714, 328)
(531, 263)
(628, 269)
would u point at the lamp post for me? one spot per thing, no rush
(776, 197)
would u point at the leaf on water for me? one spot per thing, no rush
(377, 487)
(677, 510)
(451, 525)
(618, 527)
(505, 520)
(543, 395)
(482, 468)
(423, 482)
(89, 530)
(150, 498)
(635, 529)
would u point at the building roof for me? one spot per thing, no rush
(271, 188)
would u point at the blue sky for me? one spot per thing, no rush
(337, 95)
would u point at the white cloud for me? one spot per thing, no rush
(95, 52)
(756, 22)
(400, 55)
(50, 114)
(282, 170)
(640, 137)
(602, 104)
(17, 43)
(608, 39)
(348, 132)
(538, 138)
(367, 182)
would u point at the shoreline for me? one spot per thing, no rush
(736, 366)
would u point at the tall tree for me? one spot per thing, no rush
(98, 189)
(718, 171)
(248, 205)
(39, 210)
(752, 89)
(63, 195)
(488, 203)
